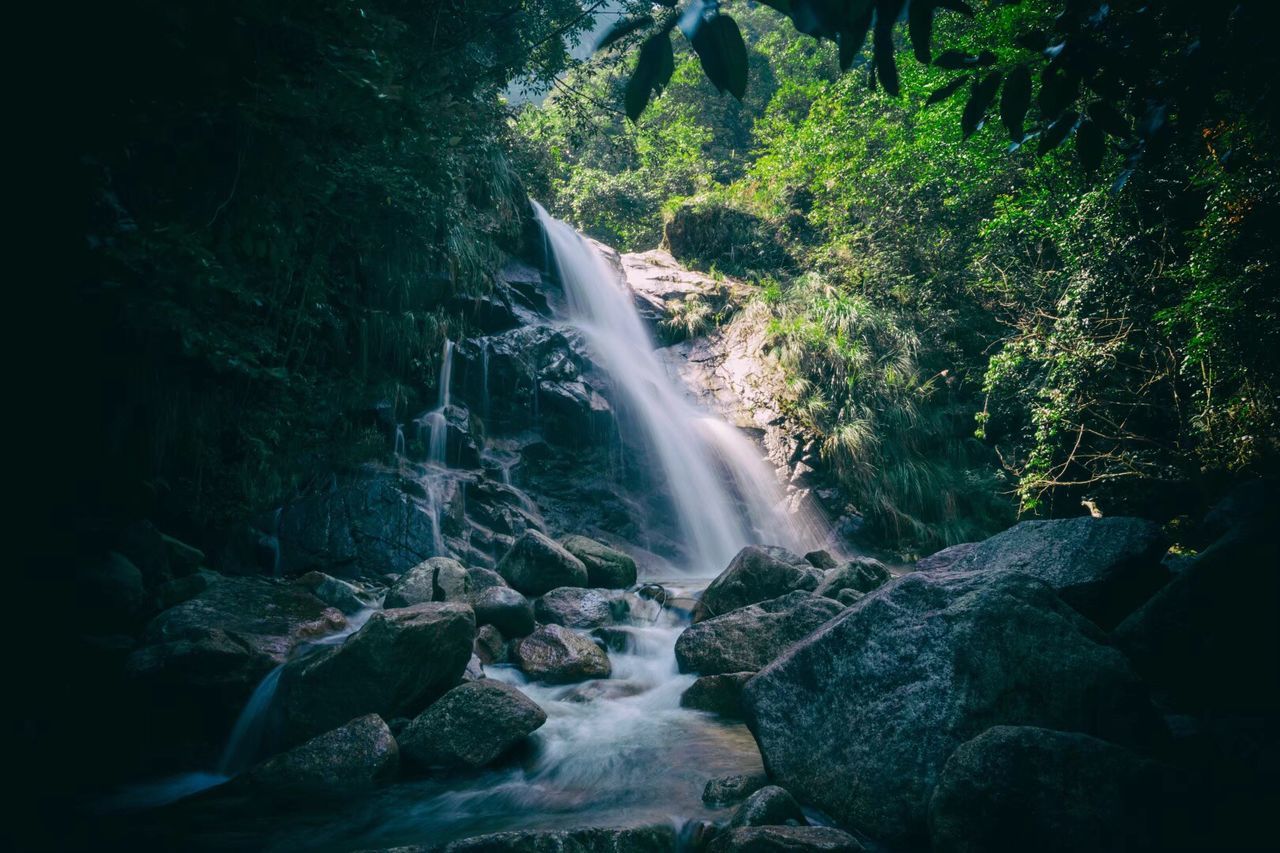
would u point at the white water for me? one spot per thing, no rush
(724, 494)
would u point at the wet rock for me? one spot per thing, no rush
(945, 558)
(353, 757)
(748, 638)
(719, 694)
(1054, 791)
(185, 588)
(536, 564)
(394, 666)
(505, 609)
(112, 592)
(607, 567)
(558, 655)
(334, 592)
(490, 646)
(754, 575)
(848, 597)
(861, 574)
(184, 559)
(770, 806)
(144, 546)
(474, 670)
(610, 688)
(471, 726)
(1206, 639)
(642, 839)
(859, 717)
(616, 639)
(482, 579)
(1103, 567)
(785, 839)
(821, 559)
(731, 789)
(436, 579)
(574, 607)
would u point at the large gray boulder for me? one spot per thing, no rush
(770, 806)
(351, 758)
(719, 694)
(724, 790)
(436, 579)
(334, 592)
(639, 839)
(607, 567)
(537, 564)
(861, 574)
(755, 574)
(785, 839)
(505, 609)
(394, 666)
(574, 607)
(1103, 567)
(1038, 789)
(748, 638)
(859, 717)
(471, 726)
(558, 655)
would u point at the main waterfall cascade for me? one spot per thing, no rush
(724, 494)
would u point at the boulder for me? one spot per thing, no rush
(719, 694)
(574, 607)
(558, 655)
(749, 638)
(861, 574)
(505, 609)
(724, 790)
(184, 559)
(436, 579)
(769, 806)
(848, 597)
(471, 726)
(394, 666)
(1053, 791)
(821, 559)
(607, 567)
(859, 717)
(347, 597)
(1210, 639)
(785, 839)
(754, 575)
(144, 546)
(350, 758)
(945, 558)
(536, 564)
(112, 593)
(490, 646)
(482, 579)
(184, 588)
(640, 839)
(1103, 567)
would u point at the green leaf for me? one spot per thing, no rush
(1057, 132)
(887, 12)
(1110, 119)
(944, 92)
(920, 28)
(622, 29)
(1057, 90)
(975, 111)
(1014, 102)
(1091, 144)
(852, 40)
(653, 70)
(723, 54)
(955, 60)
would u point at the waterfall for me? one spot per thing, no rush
(724, 494)
(244, 746)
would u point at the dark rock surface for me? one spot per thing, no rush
(490, 646)
(770, 806)
(750, 637)
(785, 839)
(558, 655)
(574, 607)
(1103, 567)
(334, 592)
(861, 574)
(537, 564)
(394, 666)
(471, 726)
(607, 567)
(505, 609)
(642, 839)
(754, 575)
(436, 579)
(821, 559)
(1055, 791)
(719, 694)
(350, 758)
(945, 558)
(860, 717)
(731, 789)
